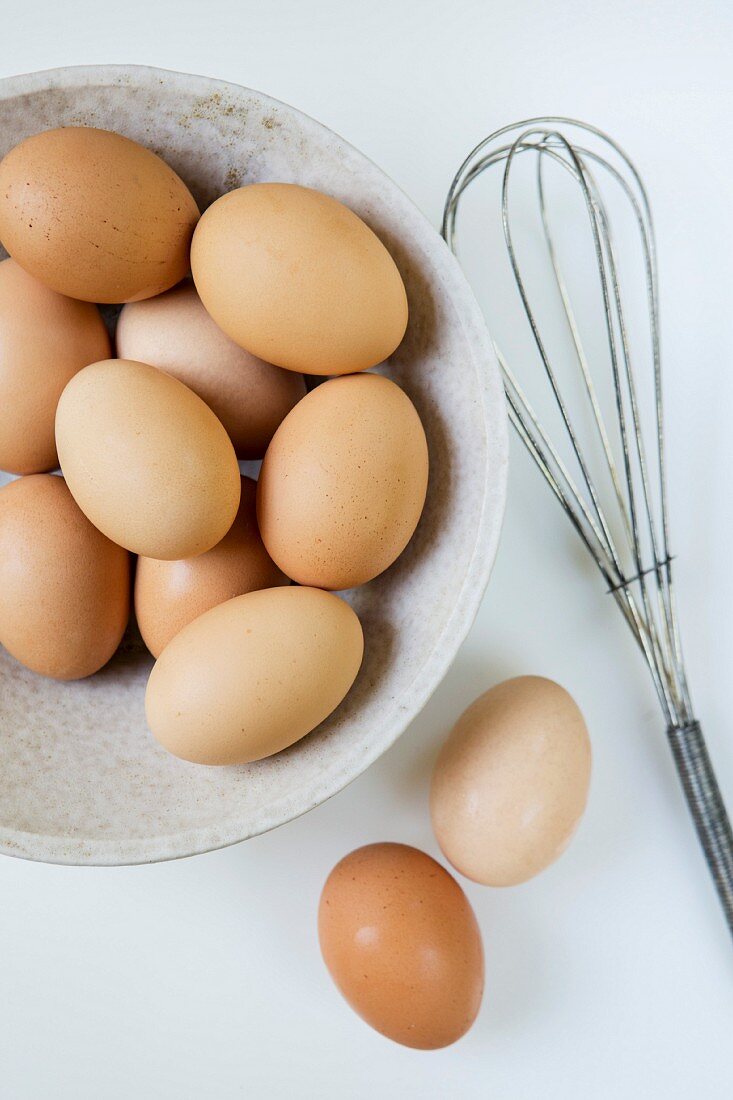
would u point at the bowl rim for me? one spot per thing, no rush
(86, 851)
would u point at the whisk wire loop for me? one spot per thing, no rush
(655, 629)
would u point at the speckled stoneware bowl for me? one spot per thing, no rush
(81, 779)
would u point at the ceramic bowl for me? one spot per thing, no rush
(81, 779)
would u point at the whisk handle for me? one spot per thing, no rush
(706, 807)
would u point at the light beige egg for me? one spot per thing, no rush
(511, 782)
(298, 279)
(146, 460)
(253, 675)
(45, 338)
(64, 587)
(171, 594)
(94, 215)
(343, 482)
(174, 332)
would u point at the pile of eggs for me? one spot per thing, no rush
(151, 508)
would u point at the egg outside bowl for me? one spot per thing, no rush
(81, 779)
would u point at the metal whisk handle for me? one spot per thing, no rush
(707, 808)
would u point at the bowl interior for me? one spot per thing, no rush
(81, 779)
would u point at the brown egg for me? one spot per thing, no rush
(252, 675)
(94, 215)
(45, 339)
(297, 278)
(343, 482)
(64, 587)
(511, 783)
(174, 332)
(402, 944)
(171, 594)
(146, 460)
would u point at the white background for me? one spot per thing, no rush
(612, 974)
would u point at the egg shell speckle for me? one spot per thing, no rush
(343, 482)
(94, 215)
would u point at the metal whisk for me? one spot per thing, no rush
(621, 515)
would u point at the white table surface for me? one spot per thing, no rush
(611, 975)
